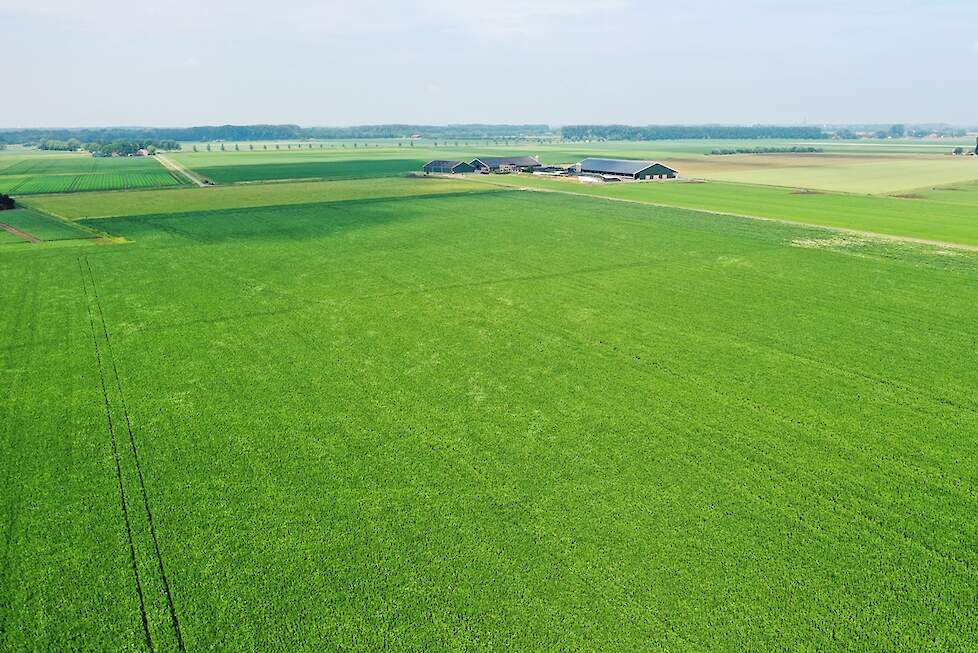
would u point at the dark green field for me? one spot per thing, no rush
(507, 420)
(256, 167)
(62, 173)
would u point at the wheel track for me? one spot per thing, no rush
(174, 620)
(118, 466)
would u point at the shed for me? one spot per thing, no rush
(497, 163)
(628, 168)
(447, 167)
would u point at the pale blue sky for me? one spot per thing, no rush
(181, 62)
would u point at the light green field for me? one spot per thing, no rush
(907, 218)
(511, 420)
(964, 194)
(99, 205)
(852, 174)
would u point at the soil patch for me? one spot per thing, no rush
(20, 234)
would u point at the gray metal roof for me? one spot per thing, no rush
(496, 161)
(618, 166)
(442, 164)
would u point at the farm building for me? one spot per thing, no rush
(505, 163)
(447, 167)
(628, 168)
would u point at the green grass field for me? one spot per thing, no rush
(503, 420)
(43, 172)
(920, 217)
(100, 205)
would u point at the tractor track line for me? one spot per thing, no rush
(174, 621)
(118, 468)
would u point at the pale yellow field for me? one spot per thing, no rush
(844, 173)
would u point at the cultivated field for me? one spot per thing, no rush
(444, 414)
(22, 174)
(868, 168)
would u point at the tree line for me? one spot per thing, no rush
(685, 132)
(107, 148)
(270, 133)
(765, 150)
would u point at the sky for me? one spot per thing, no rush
(71, 63)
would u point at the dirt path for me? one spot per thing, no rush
(842, 230)
(173, 166)
(21, 234)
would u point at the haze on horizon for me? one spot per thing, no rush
(180, 63)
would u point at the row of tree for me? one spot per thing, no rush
(766, 150)
(107, 148)
(127, 147)
(271, 133)
(683, 132)
(70, 145)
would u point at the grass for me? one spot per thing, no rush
(22, 174)
(906, 218)
(962, 194)
(507, 420)
(99, 205)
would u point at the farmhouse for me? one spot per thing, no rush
(628, 168)
(505, 163)
(447, 167)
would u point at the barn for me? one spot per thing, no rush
(447, 167)
(500, 163)
(628, 168)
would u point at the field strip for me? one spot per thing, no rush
(842, 230)
(183, 171)
(88, 279)
(21, 234)
(118, 469)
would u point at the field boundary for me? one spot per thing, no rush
(843, 230)
(31, 238)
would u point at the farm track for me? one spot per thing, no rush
(842, 230)
(22, 234)
(180, 170)
(136, 555)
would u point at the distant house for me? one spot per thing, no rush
(447, 167)
(142, 152)
(505, 163)
(628, 168)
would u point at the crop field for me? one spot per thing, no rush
(869, 168)
(232, 167)
(922, 216)
(362, 415)
(38, 225)
(62, 173)
(183, 200)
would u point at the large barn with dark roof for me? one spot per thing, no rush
(496, 163)
(628, 168)
(447, 167)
